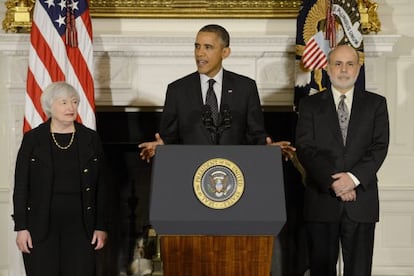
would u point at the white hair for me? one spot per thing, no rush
(56, 90)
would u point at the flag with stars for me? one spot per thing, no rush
(60, 50)
(322, 25)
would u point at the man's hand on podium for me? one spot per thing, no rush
(148, 148)
(288, 151)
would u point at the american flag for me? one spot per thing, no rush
(316, 52)
(60, 50)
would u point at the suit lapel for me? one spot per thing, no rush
(43, 138)
(193, 94)
(84, 145)
(328, 106)
(358, 107)
(226, 89)
(195, 100)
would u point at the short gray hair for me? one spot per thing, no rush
(54, 91)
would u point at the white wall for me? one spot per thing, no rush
(389, 75)
(394, 245)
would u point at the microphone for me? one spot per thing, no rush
(206, 116)
(224, 122)
(208, 122)
(226, 117)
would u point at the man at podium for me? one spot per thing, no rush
(212, 106)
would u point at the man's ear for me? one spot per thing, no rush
(225, 52)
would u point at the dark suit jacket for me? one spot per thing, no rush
(182, 122)
(321, 151)
(34, 181)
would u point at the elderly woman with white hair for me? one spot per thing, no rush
(60, 193)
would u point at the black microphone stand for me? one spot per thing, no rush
(224, 122)
(209, 124)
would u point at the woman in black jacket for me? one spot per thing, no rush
(60, 192)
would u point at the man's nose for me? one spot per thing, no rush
(200, 52)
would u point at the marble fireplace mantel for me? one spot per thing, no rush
(133, 70)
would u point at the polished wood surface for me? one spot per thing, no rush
(216, 255)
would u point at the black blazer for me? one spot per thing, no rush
(321, 151)
(182, 122)
(34, 181)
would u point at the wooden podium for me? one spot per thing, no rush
(206, 232)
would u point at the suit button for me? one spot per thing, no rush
(89, 208)
(85, 170)
(88, 189)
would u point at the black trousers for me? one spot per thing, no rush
(66, 251)
(356, 240)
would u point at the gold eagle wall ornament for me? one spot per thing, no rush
(369, 17)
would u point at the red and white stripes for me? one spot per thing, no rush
(51, 59)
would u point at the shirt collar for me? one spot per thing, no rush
(349, 94)
(218, 78)
(337, 96)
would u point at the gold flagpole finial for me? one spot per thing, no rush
(19, 15)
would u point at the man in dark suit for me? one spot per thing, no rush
(342, 144)
(186, 116)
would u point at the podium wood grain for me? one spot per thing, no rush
(216, 255)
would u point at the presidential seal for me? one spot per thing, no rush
(218, 183)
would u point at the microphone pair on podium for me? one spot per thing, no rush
(216, 128)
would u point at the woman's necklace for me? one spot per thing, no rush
(63, 147)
